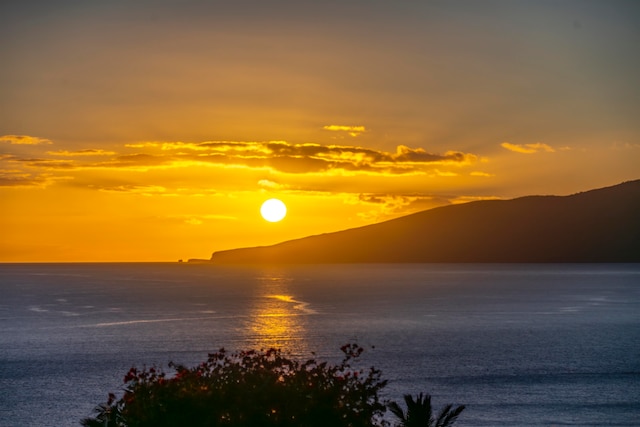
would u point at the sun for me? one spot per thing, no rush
(273, 210)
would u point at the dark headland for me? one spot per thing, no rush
(601, 225)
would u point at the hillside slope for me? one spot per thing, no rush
(600, 225)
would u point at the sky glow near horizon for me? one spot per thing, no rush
(154, 131)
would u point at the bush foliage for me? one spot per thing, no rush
(250, 388)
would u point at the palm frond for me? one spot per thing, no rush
(448, 415)
(419, 411)
(397, 411)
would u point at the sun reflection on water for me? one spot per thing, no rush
(278, 319)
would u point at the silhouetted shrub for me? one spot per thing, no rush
(249, 388)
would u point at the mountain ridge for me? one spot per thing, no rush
(599, 225)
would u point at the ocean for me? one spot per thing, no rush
(518, 344)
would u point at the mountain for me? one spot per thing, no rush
(600, 225)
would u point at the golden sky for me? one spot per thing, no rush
(153, 130)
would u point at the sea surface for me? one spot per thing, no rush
(519, 345)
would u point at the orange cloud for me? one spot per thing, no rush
(389, 205)
(24, 140)
(49, 164)
(145, 190)
(282, 156)
(528, 148)
(351, 130)
(11, 178)
(405, 154)
(481, 174)
(270, 185)
(17, 178)
(87, 152)
(259, 161)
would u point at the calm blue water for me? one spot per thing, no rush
(520, 345)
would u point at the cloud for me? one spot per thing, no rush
(274, 157)
(291, 158)
(24, 140)
(87, 152)
(465, 199)
(49, 164)
(389, 205)
(351, 130)
(168, 189)
(481, 174)
(145, 190)
(20, 179)
(11, 178)
(139, 159)
(624, 146)
(528, 148)
(437, 172)
(270, 185)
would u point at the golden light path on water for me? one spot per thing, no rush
(277, 319)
